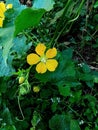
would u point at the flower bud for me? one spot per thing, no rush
(21, 79)
(36, 89)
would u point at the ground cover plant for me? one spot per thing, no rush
(48, 65)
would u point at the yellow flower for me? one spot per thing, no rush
(3, 8)
(44, 60)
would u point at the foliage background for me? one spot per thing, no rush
(68, 96)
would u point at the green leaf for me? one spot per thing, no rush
(28, 18)
(36, 119)
(86, 77)
(57, 16)
(86, 68)
(90, 83)
(6, 39)
(22, 125)
(55, 102)
(7, 116)
(96, 79)
(95, 76)
(6, 69)
(96, 18)
(87, 128)
(47, 5)
(96, 4)
(74, 125)
(64, 90)
(75, 96)
(8, 127)
(3, 85)
(59, 122)
(65, 69)
(20, 47)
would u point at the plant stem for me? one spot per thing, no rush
(20, 108)
(60, 22)
(29, 37)
(56, 35)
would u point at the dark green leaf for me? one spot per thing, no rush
(86, 68)
(7, 116)
(54, 104)
(8, 127)
(3, 85)
(74, 125)
(59, 122)
(96, 4)
(87, 128)
(96, 18)
(64, 90)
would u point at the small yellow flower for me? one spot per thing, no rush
(9, 6)
(3, 8)
(43, 60)
(36, 89)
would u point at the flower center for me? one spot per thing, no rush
(43, 59)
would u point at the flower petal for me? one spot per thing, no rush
(33, 59)
(1, 14)
(9, 6)
(1, 22)
(40, 49)
(2, 7)
(51, 64)
(41, 68)
(51, 53)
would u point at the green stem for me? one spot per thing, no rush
(59, 24)
(20, 108)
(56, 35)
(35, 37)
(29, 37)
(65, 27)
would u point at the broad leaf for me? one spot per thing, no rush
(74, 125)
(45, 4)
(6, 69)
(64, 90)
(6, 41)
(86, 68)
(59, 122)
(96, 4)
(28, 18)
(8, 127)
(7, 116)
(20, 47)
